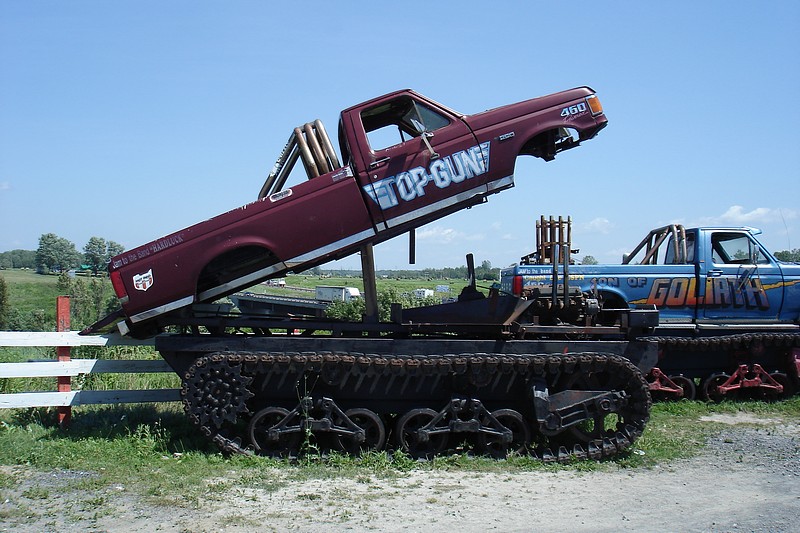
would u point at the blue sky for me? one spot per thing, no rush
(130, 120)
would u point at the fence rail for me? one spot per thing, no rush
(65, 338)
(65, 368)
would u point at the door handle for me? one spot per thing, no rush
(714, 273)
(379, 162)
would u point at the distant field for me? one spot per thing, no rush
(29, 291)
(32, 294)
(16, 275)
(309, 282)
(37, 291)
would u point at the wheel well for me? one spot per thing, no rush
(550, 142)
(610, 300)
(234, 264)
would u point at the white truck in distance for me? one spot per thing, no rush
(337, 294)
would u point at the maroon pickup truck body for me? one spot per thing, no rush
(446, 162)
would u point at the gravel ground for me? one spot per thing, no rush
(746, 479)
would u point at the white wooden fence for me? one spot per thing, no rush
(74, 367)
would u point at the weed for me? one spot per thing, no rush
(150, 438)
(17, 513)
(8, 480)
(96, 501)
(36, 493)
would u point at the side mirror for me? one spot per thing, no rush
(755, 255)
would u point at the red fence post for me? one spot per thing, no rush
(64, 354)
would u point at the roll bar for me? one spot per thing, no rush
(310, 143)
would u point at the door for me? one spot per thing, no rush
(742, 282)
(421, 162)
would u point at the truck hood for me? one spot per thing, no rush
(511, 111)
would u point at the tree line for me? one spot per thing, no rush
(57, 254)
(789, 256)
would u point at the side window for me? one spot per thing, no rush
(399, 120)
(735, 249)
(669, 256)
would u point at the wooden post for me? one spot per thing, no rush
(64, 354)
(370, 285)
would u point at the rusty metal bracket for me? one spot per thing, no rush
(465, 415)
(321, 415)
(555, 412)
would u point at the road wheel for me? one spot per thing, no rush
(287, 443)
(494, 445)
(411, 441)
(710, 387)
(687, 384)
(374, 432)
(788, 387)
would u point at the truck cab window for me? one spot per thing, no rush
(736, 249)
(670, 257)
(399, 120)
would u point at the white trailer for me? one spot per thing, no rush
(336, 294)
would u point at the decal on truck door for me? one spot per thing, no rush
(724, 291)
(443, 172)
(142, 282)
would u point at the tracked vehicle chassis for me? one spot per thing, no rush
(558, 400)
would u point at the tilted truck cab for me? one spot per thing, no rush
(406, 161)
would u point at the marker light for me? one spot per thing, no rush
(516, 286)
(119, 287)
(594, 104)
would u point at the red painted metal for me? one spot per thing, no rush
(660, 382)
(746, 378)
(384, 192)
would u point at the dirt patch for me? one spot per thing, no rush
(739, 419)
(746, 479)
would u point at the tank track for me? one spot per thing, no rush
(742, 340)
(228, 394)
(760, 365)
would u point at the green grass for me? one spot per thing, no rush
(157, 449)
(29, 292)
(165, 380)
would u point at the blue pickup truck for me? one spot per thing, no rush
(718, 290)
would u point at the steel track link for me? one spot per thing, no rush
(216, 389)
(741, 340)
